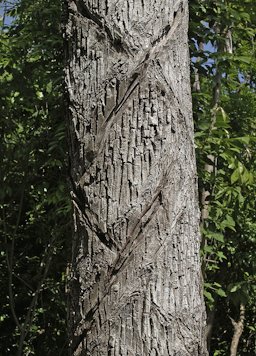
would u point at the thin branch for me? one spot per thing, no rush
(31, 311)
(238, 330)
(10, 255)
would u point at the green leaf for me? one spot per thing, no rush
(235, 176)
(243, 59)
(39, 94)
(235, 288)
(216, 236)
(208, 296)
(221, 255)
(49, 87)
(208, 249)
(221, 292)
(228, 223)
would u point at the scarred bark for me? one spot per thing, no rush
(135, 281)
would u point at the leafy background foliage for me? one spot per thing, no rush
(34, 198)
(34, 194)
(222, 36)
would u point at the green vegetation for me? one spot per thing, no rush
(35, 223)
(222, 36)
(34, 199)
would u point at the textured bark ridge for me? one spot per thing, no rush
(135, 281)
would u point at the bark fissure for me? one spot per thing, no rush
(122, 259)
(100, 22)
(135, 276)
(134, 237)
(81, 204)
(136, 76)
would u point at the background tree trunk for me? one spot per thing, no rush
(135, 285)
(238, 330)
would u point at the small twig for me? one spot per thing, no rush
(31, 311)
(10, 255)
(24, 282)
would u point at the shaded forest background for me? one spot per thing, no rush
(35, 223)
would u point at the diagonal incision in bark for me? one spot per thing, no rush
(159, 313)
(88, 319)
(136, 75)
(104, 237)
(82, 205)
(134, 238)
(108, 123)
(118, 266)
(121, 261)
(114, 37)
(140, 70)
(136, 234)
(136, 231)
(168, 86)
(81, 202)
(180, 211)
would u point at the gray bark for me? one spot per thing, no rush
(135, 285)
(238, 330)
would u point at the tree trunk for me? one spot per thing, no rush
(238, 330)
(135, 285)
